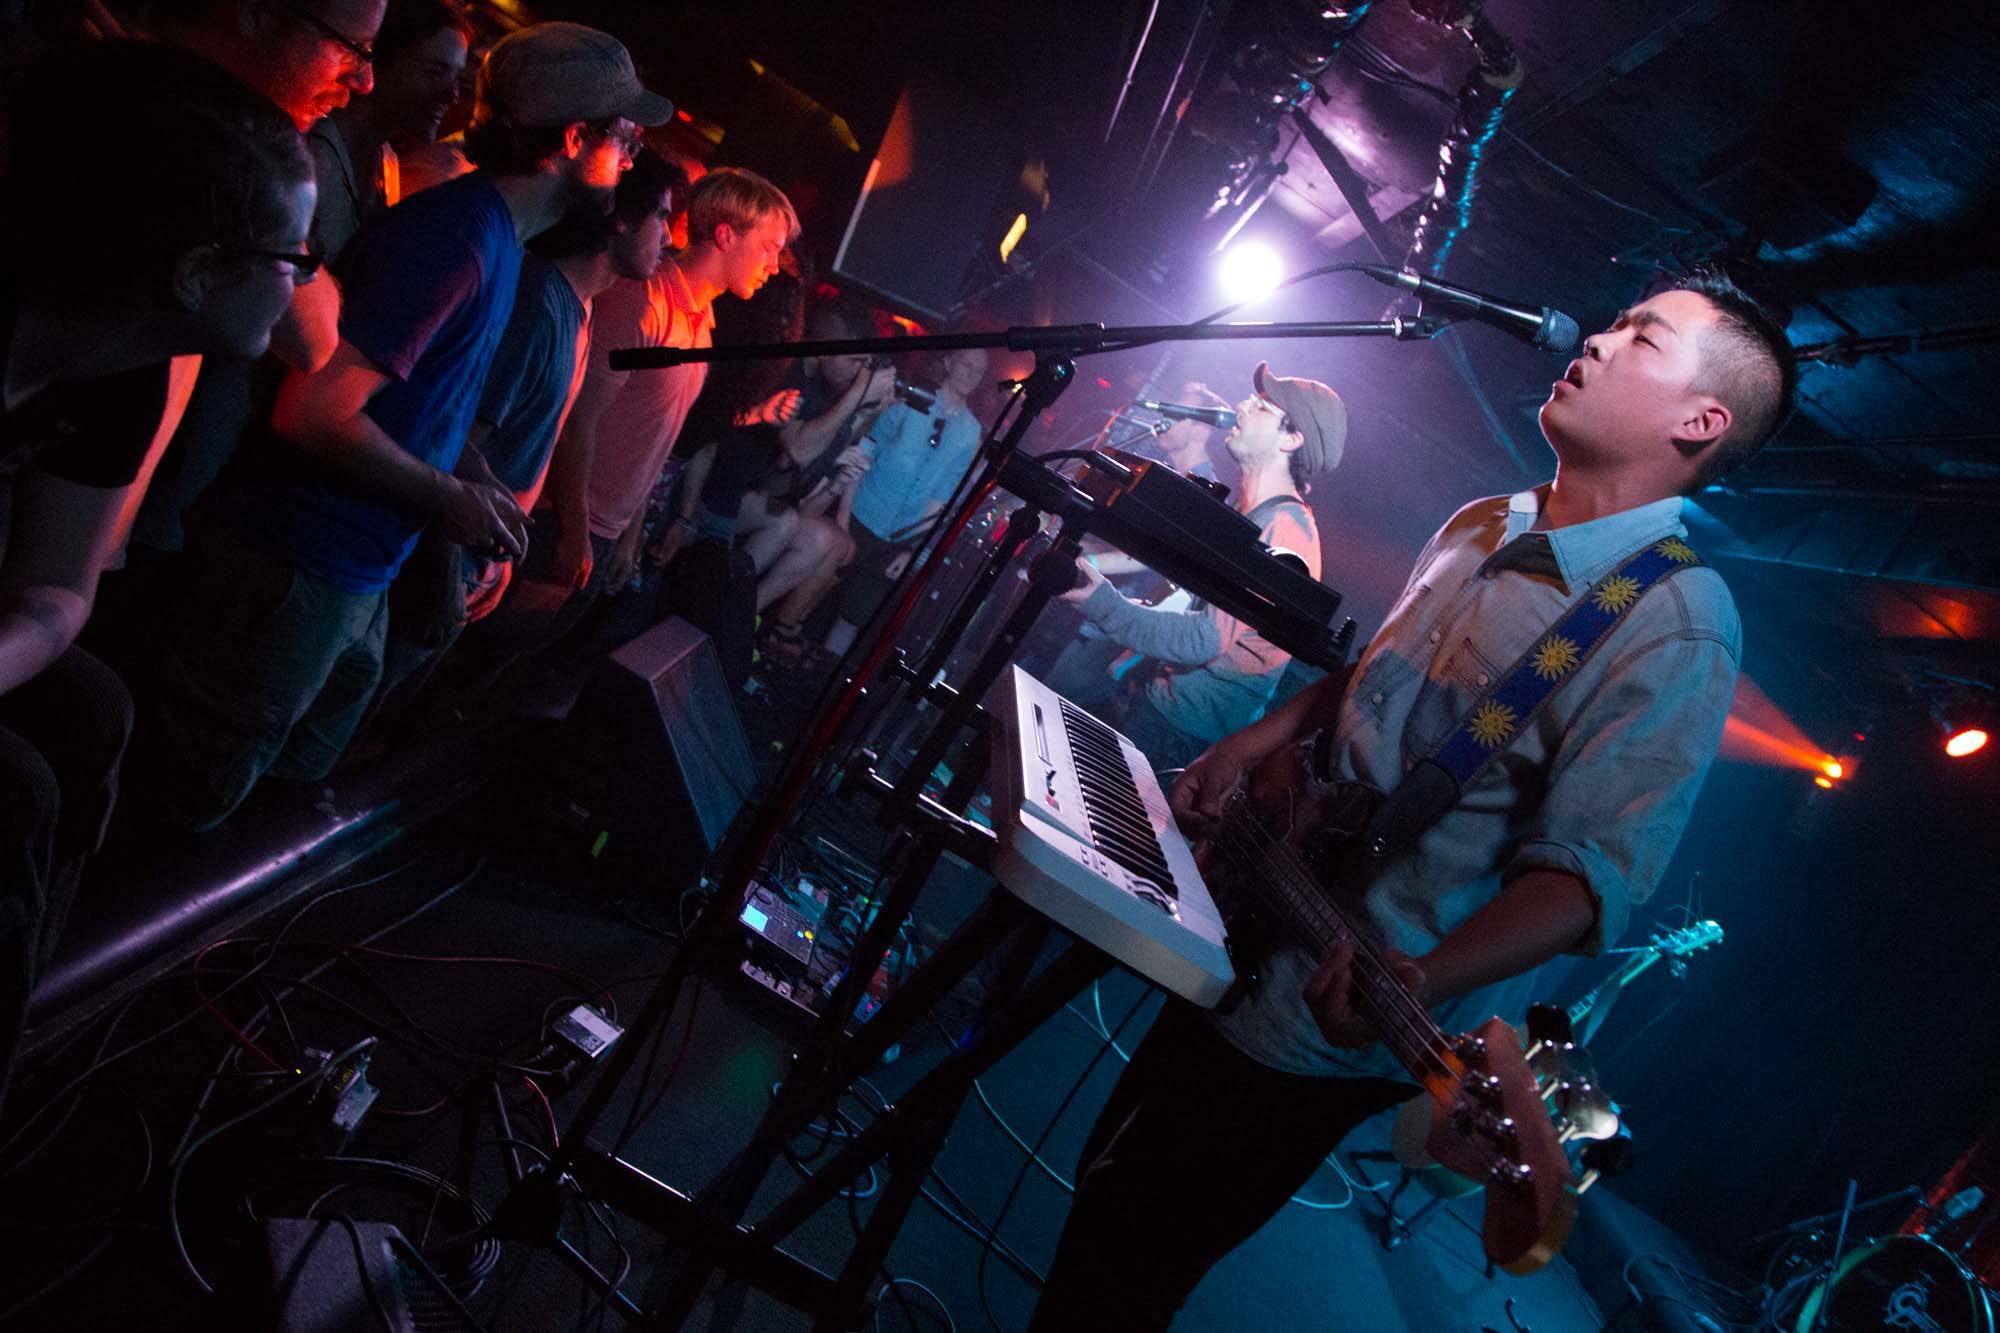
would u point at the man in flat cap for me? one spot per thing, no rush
(1217, 674)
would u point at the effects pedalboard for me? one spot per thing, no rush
(784, 960)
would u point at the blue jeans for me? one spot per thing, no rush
(266, 670)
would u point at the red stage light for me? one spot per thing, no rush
(1970, 740)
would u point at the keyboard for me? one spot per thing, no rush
(1178, 527)
(1086, 838)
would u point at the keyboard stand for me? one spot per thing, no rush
(707, 1229)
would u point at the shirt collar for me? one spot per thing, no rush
(1583, 552)
(680, 294)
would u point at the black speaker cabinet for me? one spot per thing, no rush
(656, 755)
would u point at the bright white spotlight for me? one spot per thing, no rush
(1249, 269)
(1962, 743)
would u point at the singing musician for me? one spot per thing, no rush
(1220, 1118)
(1218, 674)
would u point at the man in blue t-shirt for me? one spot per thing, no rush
(280, 647)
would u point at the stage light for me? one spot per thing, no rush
(1823, 782)
(1249, 269)
(1963, 723)
(1015, 232)
(1967, 740)
(1833, 769)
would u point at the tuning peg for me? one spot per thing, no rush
(1470, 1048)
(1511, 1173)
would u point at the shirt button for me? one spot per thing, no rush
(1435, 636)
(1482, 680)
(1375, 698)
(1487, 575)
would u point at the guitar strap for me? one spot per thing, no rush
(1434, 784)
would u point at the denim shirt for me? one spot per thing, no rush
(917, 461)
(1599, 784)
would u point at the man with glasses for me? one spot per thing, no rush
(419, 63)
(308, 57)
(98, 358)
(272, 663)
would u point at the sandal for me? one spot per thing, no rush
(785, 643)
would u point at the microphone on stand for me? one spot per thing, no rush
(1946, 1216)
(1547, 330)
(1219, 417)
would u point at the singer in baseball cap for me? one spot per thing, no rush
(1215, 674)
(1314, 411)
(553, 74)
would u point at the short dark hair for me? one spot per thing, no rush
(408, 24)
(1295, 461)
(652, 178)
(185, 154)
(850, 316)
(1747, 362)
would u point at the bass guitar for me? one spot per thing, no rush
(1488, 1121)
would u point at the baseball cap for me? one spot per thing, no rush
(554, 73)
(1316, 411)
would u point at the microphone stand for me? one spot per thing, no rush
(1839, 1244)
(708, 1225)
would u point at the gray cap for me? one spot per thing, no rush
(555, 73)
(1316, 411)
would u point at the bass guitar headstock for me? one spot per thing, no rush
(1493, 1128)
(1688, 939)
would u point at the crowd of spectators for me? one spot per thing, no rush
(335, 434)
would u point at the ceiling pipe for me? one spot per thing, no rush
(1482, 103)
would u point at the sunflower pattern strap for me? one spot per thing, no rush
(1554, 657)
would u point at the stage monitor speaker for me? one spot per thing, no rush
(657, 753)
(943, 168)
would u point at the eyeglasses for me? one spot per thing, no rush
(305, 266)
(629, 140)
(364, 52)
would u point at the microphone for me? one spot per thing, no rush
(1219, 417)
(1958, 1207)
(1548, 330)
